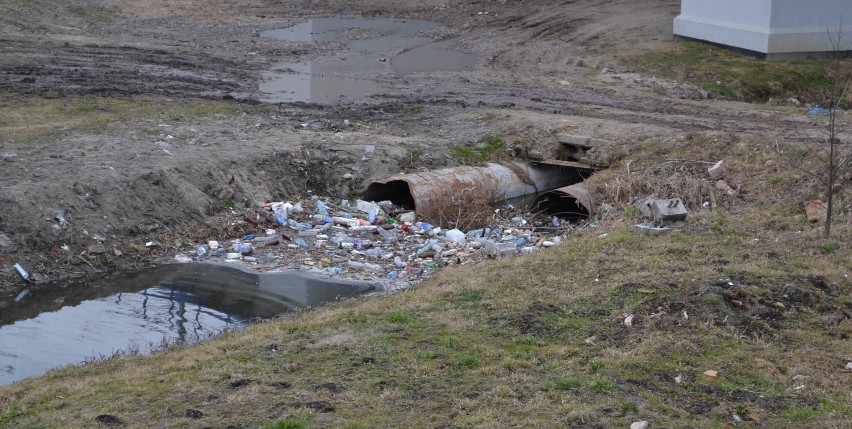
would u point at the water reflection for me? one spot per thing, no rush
(374, 49)
(64, 324)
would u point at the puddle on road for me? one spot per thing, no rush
(375, 49)
(56, 326)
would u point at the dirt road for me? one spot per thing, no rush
(181, 134)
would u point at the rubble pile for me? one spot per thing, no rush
(379, 241)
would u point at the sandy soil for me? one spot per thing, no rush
(543, 67)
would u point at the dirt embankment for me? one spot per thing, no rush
(200, 143)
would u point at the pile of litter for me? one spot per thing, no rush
(370, 240)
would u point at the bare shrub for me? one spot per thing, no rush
(469, 209)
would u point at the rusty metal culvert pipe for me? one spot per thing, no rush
(497, 182)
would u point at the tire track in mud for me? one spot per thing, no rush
(62, 69)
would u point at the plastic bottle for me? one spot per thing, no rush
(301, 243)
(528, 250)
(249, 259)
(387, 235)
(333, 271)
(399, 263)
(521, 242)
(393, 275)
(246, 249)
(202, 250)
(322, 209)
(374, 253)
(22, 272)
(366, 266)
(374, 211)
(424, 226)
(423, 249)
(249, 237)
(345, 221)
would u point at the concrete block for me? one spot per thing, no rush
(668, 211)
(717, 171)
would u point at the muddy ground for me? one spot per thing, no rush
(542, 67)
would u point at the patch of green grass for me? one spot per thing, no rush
(229, 203)
(727, 74)
(629, 407)
(451, 342)
(469, 362)
(473, 296)
(399, 317)
(595, 365)
(801, 414)
(829, 247)
(632, 212)
(774, 180)
(416, 108)
(287, 424)
(568, 383)
(602, 385)
(491, 149)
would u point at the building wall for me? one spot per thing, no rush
(775, 28)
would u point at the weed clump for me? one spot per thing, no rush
(287, 424)
(468, 209)
(490, 149)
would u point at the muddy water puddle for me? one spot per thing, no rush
(374, 52)
(68, 324)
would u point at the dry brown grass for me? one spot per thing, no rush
(469, 209)
(677, 168)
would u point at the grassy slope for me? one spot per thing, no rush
(731, 75)
(530, 342)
